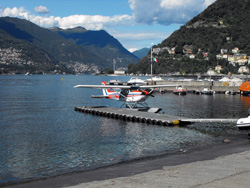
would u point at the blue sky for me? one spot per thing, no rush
(135, 23)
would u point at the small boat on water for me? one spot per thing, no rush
(230, 92)
(244, 123)
(136, 81)
(207, 91)
(180, 90)
(245, 88)
(115, 82)
(155, 78)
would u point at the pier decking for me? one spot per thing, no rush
(136, 115)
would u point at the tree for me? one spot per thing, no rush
(179, 50)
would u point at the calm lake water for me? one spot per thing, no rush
(41, 135)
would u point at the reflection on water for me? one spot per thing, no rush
(41, 134)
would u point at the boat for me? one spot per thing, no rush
(197, 92)
(136, 81)
(155, 78)
(209, 79)
(230, 92)
(244, 123)
(245, 88)
(207, 91)
(115, 82)
(180, 90)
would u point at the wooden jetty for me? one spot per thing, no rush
(145, 116)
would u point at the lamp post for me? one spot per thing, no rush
(151, 60)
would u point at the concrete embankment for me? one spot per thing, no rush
(200, 85)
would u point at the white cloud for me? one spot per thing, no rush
(42, 10)
(166, 12)
(95, 22)
(139, 36)
(15, 12)
(162, 12)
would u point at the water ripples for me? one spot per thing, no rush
(41, 134)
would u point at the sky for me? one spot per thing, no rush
(136, 24)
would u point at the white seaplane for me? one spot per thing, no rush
(133, 96)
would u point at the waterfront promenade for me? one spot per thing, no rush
(223, 172)
(200, 85)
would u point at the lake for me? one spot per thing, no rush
(41, 135)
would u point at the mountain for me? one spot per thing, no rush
(28, 47)
(196, 46)
(141, 53)
(100, 43)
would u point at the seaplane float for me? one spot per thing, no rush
(134, 97)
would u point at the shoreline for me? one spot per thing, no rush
(128, 169)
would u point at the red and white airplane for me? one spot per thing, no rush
(130, 95)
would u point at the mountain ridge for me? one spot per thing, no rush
(65, 55)
(141, 52)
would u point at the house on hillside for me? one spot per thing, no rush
(243, 69)
(218, 68)
(242, 61)
(231, 58)
(219, 56)
(191, 56)
(224, 56)
(188, 49)
(171, 51)
(223, 51)
(119, 72)
(156, 50)
(235, 50)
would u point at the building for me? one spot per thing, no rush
(235, 50)
(231, 58)
(243, 69)
(218, 68)
(211, 72)
(119, 72)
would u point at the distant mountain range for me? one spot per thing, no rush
(28, 47)
(141, 53)
(196, 46)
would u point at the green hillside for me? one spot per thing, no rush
(223, 25)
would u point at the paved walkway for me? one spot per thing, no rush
(228, 171)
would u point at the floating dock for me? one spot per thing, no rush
(145, 116)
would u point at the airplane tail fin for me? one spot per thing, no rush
(104, 91)
(108, 92)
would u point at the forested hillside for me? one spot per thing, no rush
(217, 36)
(26, 47)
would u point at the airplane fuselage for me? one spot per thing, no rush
(130, 96)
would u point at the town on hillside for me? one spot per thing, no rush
(232, 56)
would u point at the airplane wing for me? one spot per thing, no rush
(103, 86)
(155, 86)
(121, 87)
